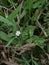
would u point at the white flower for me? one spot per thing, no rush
(18, 33)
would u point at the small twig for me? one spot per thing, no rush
(46, 1)
(4, 56)
(13, 6)
(46, 53)
(9, 63)
(47, 40)
(18, 18)
(6, 13)
(43, 61)
(3, 7)
(41, 28)
(25, 47)
(40, 13)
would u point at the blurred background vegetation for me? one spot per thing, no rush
(31, 19)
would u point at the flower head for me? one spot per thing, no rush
(18, 33)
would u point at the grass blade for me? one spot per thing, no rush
(15, 12)
(6, 21)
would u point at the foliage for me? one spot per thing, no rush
(31, 18)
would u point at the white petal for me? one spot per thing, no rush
(18, 33)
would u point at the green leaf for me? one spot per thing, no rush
(28, 4)
(1, 12)
(25, 61)
(23, 14)
(38, 39)
(31, 30)
(29, 40)
(35, 15)
(38, 3)
(48, 47)
(46, 17)
(6, 21)
(11, 40)
(18, 59)
(35, 63)
(11, 2)
(4, 36)
(26, 55)
(4, 3)
(15, 12)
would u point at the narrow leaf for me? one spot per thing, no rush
(15, 12)
(4, 36)
(6, 21)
